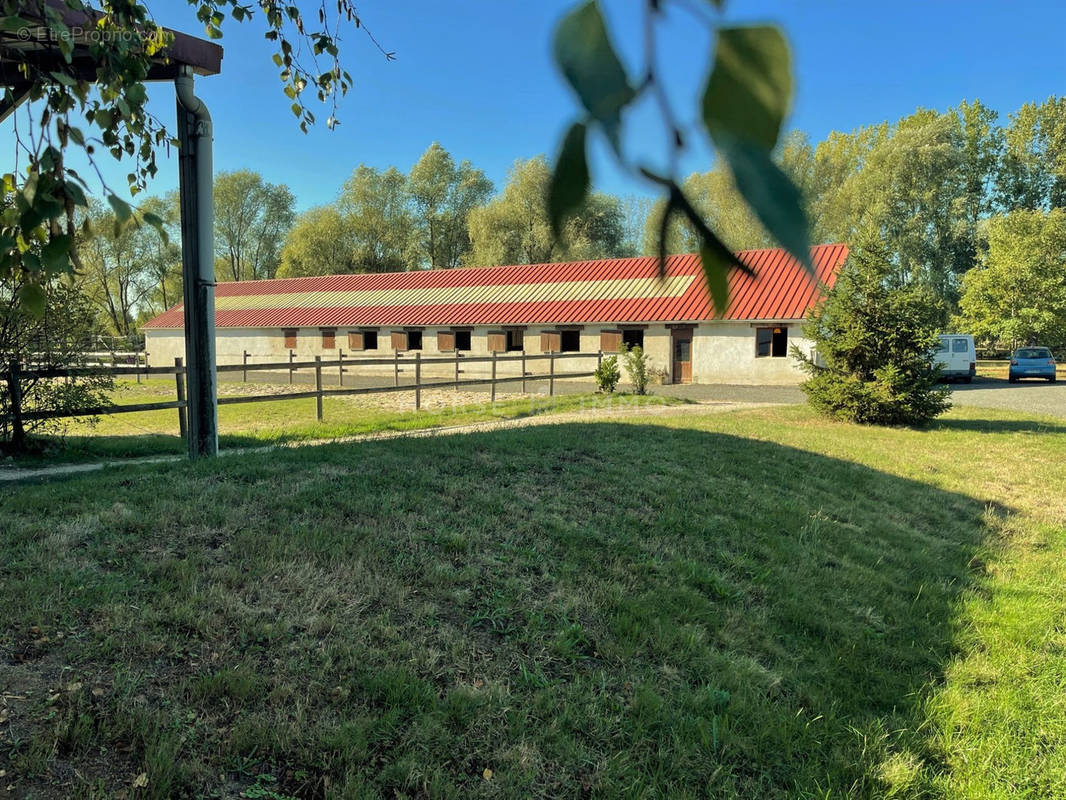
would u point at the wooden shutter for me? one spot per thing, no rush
(355, 340)
(329, 339)
(445, 341)
(550, 341)
(399, 340)
(497, 341)
(290, 338)
(610, 341)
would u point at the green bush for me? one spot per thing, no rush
(637, 367)
(608, 374)
(875, 344)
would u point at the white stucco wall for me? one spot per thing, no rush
(724, 352)
(721, 352)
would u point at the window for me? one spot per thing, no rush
(363, 340)
(290, 338)
(633, 337)
(496, 341)
(569, 341)
(771, 342)
(406, 340)
(610, 341)
(329, 339)
(960, 345)
(515, 341)
(462, 340)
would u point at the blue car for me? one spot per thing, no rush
(1032, 362)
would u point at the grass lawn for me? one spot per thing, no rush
(750, 604)
(255, 424)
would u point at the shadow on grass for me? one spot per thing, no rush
(996, 426)
(626, 608)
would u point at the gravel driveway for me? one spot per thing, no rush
(1034, 397)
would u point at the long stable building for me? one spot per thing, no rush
(584, 306)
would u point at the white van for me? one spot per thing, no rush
(957, 355)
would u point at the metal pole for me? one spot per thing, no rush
(493, 390)
(179, 385)
(551, 373)
(523, 370)
(195, 174)
(418, 381)
(292, 355)
(340, 367)
(244, 372)
(318, 387)
(396, 366)
(457, 369)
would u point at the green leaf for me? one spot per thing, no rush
(31, 295)
(750, 87)
(570, 181)
(121, 208)
(55, 256)
(772, 196)
(716, 269)
(588, 61)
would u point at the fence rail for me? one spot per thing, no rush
(16, 375)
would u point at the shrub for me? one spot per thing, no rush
(608, 374)
(875, 347)
(53, 337)
(637, 367)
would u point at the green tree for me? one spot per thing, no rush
(322, 242)
(874, 342)
(714, 194)
(251, 220)
(375, 204)
(162, 254)
(1033, 170)
(515, 228)
(116, 277)
(1018, 295)
(56, 337)
(443, 195)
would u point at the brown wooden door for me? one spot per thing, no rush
(682, 346)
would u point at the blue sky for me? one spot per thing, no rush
(477, 76)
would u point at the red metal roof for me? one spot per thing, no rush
(610, 291)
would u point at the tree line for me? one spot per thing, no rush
(960, 202)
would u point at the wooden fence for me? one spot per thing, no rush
(17, 374)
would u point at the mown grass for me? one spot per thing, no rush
(284, 421)
(754, 604)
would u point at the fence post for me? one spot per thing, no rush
(291, 356)
(179, 386)
(146, 354)
(318, 387)
(340, 367)
(493, 390)
(137, 363)
(599, 359)
(396, 367)
(244, 359)
(418, 381)
(523, 370)
(457, 369)
(551, 373)
(18, 432)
